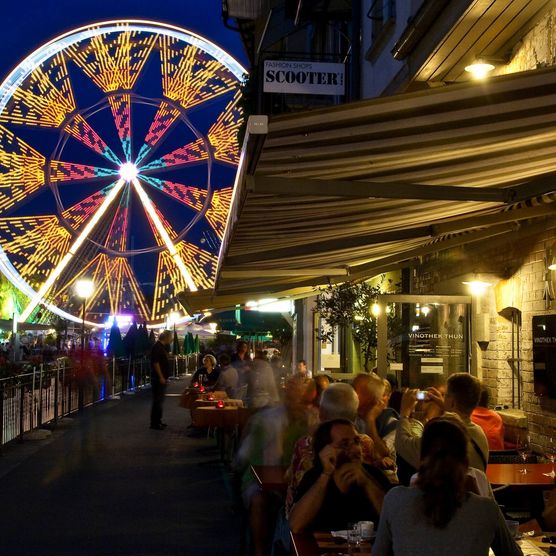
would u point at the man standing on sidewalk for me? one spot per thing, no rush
(160, 371)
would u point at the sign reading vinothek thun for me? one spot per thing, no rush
(313, 78)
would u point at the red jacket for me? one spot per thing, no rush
(492, 425)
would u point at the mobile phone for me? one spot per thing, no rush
(422, 395)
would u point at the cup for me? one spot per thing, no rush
(367, 529)
(513, 528)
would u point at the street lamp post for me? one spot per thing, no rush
(84, 289)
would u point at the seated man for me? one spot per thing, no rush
(462, 395)
(339, 401)
(489, 421)
(339, 489)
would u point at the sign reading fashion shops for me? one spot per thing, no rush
(314, 78)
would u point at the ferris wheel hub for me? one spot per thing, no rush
(128, 171)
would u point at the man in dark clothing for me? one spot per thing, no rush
(339, 488)
(160, 371)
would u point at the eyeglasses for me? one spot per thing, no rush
(348, 443)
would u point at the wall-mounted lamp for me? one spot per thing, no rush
(479, 69)
(477, 287)
(375, 309)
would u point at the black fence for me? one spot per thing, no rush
(50, 392)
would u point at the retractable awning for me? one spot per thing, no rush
(354, 190)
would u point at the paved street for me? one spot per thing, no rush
(107, 484)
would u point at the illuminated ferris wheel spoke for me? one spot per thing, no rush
(114, 60)
(121, 111)
(193, 153)
(217, 213)
(165, 117)
(80, 212)
(189, 76)
(37, 244)
(45, 98)
(116, 238)
(80, 129)
(21, 170)
(222, 134)
(87, 229)
(150, 210)
(70, 171)
(193, 197)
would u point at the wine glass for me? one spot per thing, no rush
(524, 450)
(353, 538)
(551, 455)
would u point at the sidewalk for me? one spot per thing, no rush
(105, 483)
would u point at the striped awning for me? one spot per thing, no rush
(357, 189)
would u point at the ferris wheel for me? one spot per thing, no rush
(118, 152)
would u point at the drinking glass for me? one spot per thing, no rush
(524, 451)
(353, 538)
(551, 455)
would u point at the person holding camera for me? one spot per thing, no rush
(462, 396)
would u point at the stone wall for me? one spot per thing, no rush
(515, 265)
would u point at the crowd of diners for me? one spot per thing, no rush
(365, 451)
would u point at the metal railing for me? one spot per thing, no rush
(47, 393)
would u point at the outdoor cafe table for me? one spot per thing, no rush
(322, 542)
(221, 418)
(500, 474)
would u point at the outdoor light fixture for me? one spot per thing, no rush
(552, 263)
(84, 288)
(425, 309)
(479, 69)
(375, 309)
(477, 287)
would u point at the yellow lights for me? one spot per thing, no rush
(84, 288)
(477, 287)
(375, 309)
(479, 69)
(114, 61)
(425, 310)
(46, 252)
(213, 326)
(147, 204)
(55, 274)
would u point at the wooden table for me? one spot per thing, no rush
(321, 542)
(500, 474)
(212, 416)
(271, 477)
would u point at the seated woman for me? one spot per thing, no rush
(439, 516)
(340, 488)
(208, 374)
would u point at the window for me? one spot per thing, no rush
(382, 14)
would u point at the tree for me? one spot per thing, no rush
(348, 306)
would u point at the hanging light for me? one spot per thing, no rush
(375, 309)
(479, 69)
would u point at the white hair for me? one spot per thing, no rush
(339, 401)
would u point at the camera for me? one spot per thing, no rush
(422, 395)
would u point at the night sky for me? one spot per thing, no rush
(28, 24)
